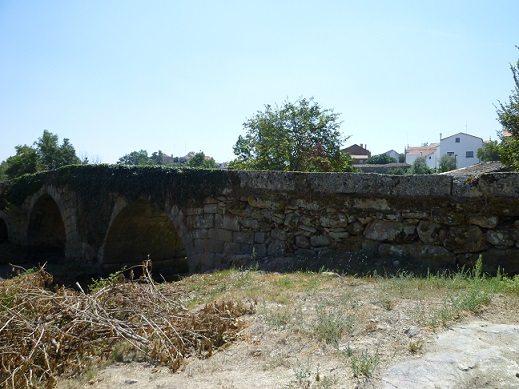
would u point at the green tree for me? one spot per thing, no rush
(135, 158)
(51, 155)
(381, 159)
(298, 136)
(508, 116)
(489, 151)
(3, 174)
(420, 167)
(157, 158)
(199, 160)
(23, 162)
(397, 171)
(46, 154)
(447, 163)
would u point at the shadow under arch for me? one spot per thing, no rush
(140, 231)
(46, 232)
(4, 234)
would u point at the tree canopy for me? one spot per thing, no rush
(489, 151)
(420, 167)
(135, 158)
(45, 154)
(199, 160)
(300, 136)
(447, 163)
(381, 159)
(508, 116)
(192, 159)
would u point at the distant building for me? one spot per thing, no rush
(464, 147)
(359, 154)
(431, 153)
(393, 154)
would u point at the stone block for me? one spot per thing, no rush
(484, 221)
(203, 221)
(502, 238)
(338, 236)
(194, 211)
(302, 242)
(260, 237)
(445, 216)
(390, 231)
(227, 222)
(250, 223)
(430, 232)
(506, 259)
(310, 229)
(278, 234)
(320, 240)
(371, 204)
(214, 246)
(232, 248)
(220, 234)
(210, 208)
(355, 228)
(465, 239)
(243, 237)
(276, 249)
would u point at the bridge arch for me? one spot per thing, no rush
(139, 230)
(46, 235)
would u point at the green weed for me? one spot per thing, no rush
(365, 364)
(332, 324)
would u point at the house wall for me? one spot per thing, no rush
(467, 143)
(393, 154)
(431, 159)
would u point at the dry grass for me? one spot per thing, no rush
(47, 333)
(313, 330)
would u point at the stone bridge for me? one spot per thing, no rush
(102, 217)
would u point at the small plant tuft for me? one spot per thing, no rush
(365, 364)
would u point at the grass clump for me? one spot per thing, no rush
(365, 364)
(331, 323)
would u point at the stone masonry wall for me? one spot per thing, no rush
(437, 220)
(431, 219)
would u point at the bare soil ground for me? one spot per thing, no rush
(317, 330)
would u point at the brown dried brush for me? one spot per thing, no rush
(46, 333)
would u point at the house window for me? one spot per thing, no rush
(469, 154)
(450, 153)
(458, 140)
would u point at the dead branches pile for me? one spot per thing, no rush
(47, 333)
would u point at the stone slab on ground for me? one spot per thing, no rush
(475, 355)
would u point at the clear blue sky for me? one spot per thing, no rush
(116, 76)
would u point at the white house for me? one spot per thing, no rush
(463, 146)
(431, 153)
(393, 154)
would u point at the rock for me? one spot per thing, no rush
(430, 232)
(319, 240)
(390, 231)
(476, 355)
(412, 331)
(502, 238)
(484, 221)
(465, 239)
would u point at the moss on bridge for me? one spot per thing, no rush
(155, 183)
